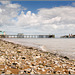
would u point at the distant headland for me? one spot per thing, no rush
(68, 36)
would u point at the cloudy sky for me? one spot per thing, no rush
(37, 17)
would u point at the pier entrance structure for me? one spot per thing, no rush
(2, 34)
(29, 36)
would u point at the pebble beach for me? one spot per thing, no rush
(19, 59)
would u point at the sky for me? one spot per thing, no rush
(37, 17)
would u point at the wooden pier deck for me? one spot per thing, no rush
(29, 36)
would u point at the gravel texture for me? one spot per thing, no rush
(19, 59)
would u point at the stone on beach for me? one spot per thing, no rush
(8, 72)
(18, 51)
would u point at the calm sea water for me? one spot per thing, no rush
(64, 47)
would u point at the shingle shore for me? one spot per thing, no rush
(18, 59)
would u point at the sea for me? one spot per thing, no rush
(61, 46)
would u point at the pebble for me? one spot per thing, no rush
(8, 72)
(18, 51)
(43, 69)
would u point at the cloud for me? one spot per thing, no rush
(0, 10)
(8, 13)
(13, 6)
(59, 17)
(4, 2)
(56, 20)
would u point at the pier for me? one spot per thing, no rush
(29, 36)
(21, 35)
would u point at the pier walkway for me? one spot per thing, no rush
(29, 36)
